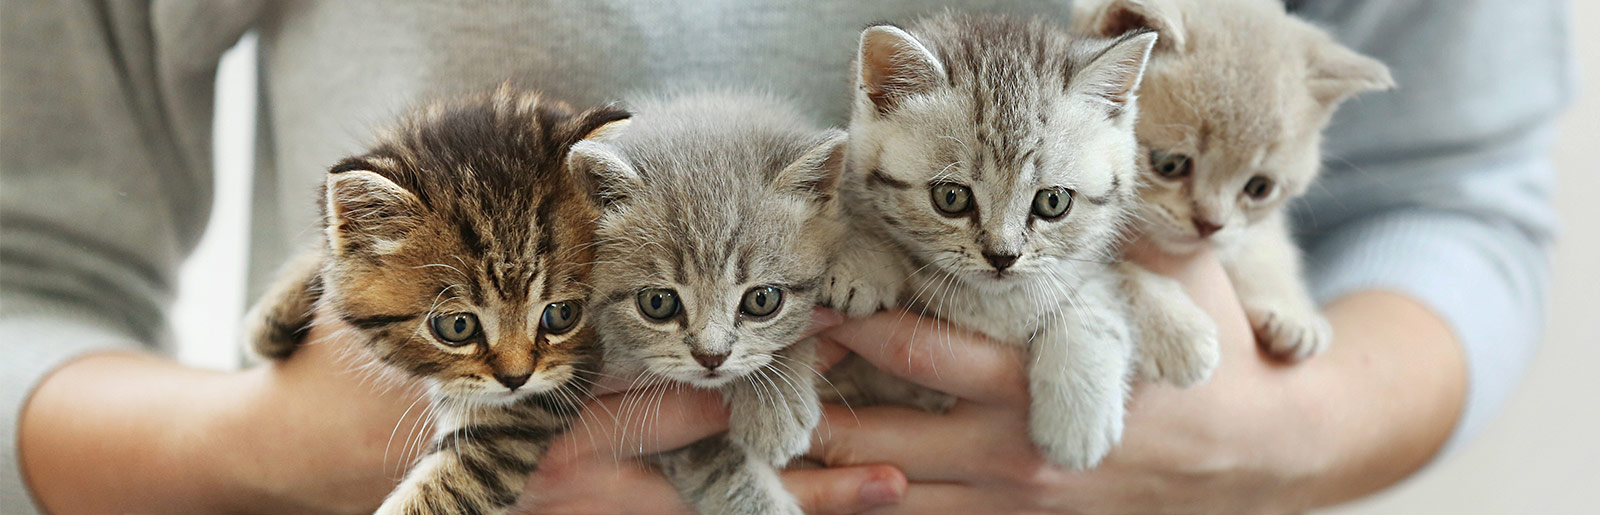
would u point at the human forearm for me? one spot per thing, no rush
(1381, 402)
(126, 433)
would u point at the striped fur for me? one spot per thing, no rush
(465, 208)
(711, 195)
(1008, 109)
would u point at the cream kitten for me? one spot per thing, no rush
(719, 221)
(991, 170)
(1235, 99)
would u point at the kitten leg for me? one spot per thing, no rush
(775, 408)
(1078, 379)
(478, 467)
(1265, 268)
(865, 277)
(856, 382)
(278, 323)
(1177, 342)
(717, 477)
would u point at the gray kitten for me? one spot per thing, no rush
(991, 171)
(719, 222)
(1234, 104)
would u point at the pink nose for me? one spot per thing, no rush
(1205, 227)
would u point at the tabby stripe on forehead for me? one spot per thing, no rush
(877, 178)
(370, 322)
(543, 218)
(470, 237)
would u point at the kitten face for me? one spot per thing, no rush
(994, 149)
(718, 223)
(1235, 100)
(460, 247)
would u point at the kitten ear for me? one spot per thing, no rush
(366, 211)
(598, 167)
(894, 65)
(815, 175)
(1118, 17)
(1113, 76)
(1337, 72)
(599, 124)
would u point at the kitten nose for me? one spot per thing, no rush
(1000, 261)
(710, 361)
(1205, 227)
(512, 382)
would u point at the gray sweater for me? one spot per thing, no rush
(1439, 189)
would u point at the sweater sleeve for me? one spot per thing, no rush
(105, 110)
(1440, 189)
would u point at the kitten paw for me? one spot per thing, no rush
(1180, 349)
(855, 297)
(1078, 444)
(1291, 335)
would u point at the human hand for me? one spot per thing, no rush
(595, 467)
(1229, 445)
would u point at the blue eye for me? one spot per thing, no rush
(658, 303)
(456, 329)
(560, 317)
(761, 301)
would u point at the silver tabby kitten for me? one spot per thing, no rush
(719, 219)
(994, 159)
(457, 252)
(1234, 103)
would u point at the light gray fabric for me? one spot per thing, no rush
(1439, 189)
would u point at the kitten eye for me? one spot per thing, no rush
(658, 303)
(1258, 187)
(560, 317)
(1170, 166)
(761, 301)
(952, 199)
(456, 329)
(1052, 203)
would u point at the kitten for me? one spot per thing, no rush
(719, 222)
(457, 250)
(991, 170)
(1234, 103)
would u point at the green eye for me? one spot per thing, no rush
(658, 303)
(761, 301)
(1170, 166)
(1052, 203)
(560, 317)
(951, 199)
(1258, 187)
(456, 329)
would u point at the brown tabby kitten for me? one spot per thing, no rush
(457, 249)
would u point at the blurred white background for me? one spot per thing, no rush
(1542, 455)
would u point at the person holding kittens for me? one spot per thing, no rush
(1425, 236)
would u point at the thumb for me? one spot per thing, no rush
(845, 489)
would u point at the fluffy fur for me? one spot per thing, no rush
(1004, 113)
(465, 210)
(712, 197)
(1233, 107)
